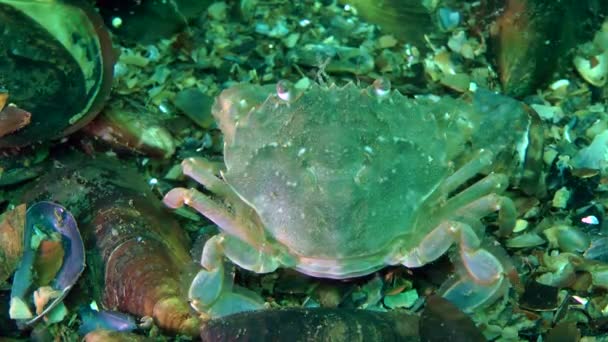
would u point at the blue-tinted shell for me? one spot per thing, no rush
(44, 219)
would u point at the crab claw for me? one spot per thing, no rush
(483, 275)
(469, 295)
(212, 291)
(484, 271)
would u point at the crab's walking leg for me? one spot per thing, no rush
(211, 291)
(507, 213)
(485, 271)
(468, 171)
(217, 213)
(204, 172)
(482, 277)
(481, 199)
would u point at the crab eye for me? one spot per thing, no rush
(382, 87)
(284, 90)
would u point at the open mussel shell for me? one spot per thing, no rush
(137, 256)
(53, 259)
(56, 62)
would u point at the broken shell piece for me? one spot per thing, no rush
(334, 59)
(539, 297)
(591, 60)
(12, 119)
(135, 131)
(3, 98)
(593, 69)
(46, 221)
(593, 156)
(567, 238)
(407, 20)
(525, 240)
(598, 250)
(196, 105)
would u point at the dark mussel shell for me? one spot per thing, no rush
(531, 40)
(56, 62)
(313, 324)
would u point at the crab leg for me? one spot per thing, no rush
(204, 172)
(481, 207)
(212, 291)
(468, 171)
(492, 183)
(481, 265)
(217, 213)
(484, 271)
(481, 199)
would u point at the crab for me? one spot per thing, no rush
(339, 182)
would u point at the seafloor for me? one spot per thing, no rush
(174, 59)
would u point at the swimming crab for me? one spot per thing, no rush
(339, 182)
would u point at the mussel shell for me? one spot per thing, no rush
(49, 217)
(11, 240)
(137, 255)
(313, 324)
(56, 62)
(534, 39)
(407, 20)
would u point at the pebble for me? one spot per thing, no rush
(561, 197)
(387, 41)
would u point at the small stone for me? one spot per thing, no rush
(291, 40)
(218, 11)
(404, 299)
(387, 41)
(303, 83)
(459, 82)
(19, 310)
(196, 105)
(548, 113)
(525, 240)
(520, 225)
(561, 197)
